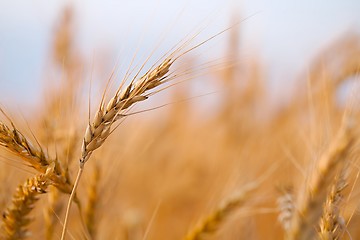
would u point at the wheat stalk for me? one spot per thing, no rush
(54, 207)
(15, 216)
(310, 206)
(93, 202)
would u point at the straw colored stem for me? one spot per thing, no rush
(71, 198)
(93, 200)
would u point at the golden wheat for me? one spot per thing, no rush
(309, 210)
(97, 132)
(213, 221)
(157, 174)
(17, 143)
(15, 217)
(332, 224)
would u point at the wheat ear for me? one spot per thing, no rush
(310, 206)
(15, 216)
(12, 139)
(100, 128)
(332, 224)
(213, 221)
(138, 90)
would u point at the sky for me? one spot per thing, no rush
(284, 34)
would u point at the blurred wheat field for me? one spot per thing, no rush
(247, 170)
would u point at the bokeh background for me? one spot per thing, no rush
(263, 102)
(283, 35)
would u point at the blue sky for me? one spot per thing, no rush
(284, 34)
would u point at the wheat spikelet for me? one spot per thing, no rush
(17, 143)
(286, 208)
(213, 221)
(15, 217)
(332, 224)
(310, 205)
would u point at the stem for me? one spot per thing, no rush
(72, 195)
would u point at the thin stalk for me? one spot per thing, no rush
(72, 195)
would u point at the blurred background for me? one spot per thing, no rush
(282, 35)
(262, 100)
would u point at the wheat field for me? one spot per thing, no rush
(150, 167)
